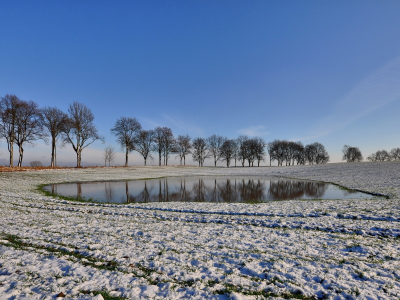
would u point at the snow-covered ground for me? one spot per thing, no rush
(332, 249)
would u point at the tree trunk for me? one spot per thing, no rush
(21, 154)
(11, 155)
(53, 152)
(215, 163)
(78, 159)
(159, 157)
(126, 157)
(184, 161)
(145, 161)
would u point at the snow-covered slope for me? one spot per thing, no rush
(288, 249)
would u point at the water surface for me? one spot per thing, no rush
(203, 189)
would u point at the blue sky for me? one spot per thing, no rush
(326, 71)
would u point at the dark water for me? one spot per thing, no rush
(203, 189)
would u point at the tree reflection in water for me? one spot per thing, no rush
(203, 189)
(288, 189)
(226, 190)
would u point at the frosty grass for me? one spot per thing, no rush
(330, 249)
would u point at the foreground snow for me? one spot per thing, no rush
(333, 249)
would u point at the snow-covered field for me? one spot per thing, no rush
(332, 249)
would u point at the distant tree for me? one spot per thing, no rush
(351, 154)
(298, 154)
(158, 145)
(164, 143)
(28, 127)
(276, 151)
(200, 150)
(289, 150)
(310, 152)
(395, 153)
(372, 157)
(241, 154)
(9, 107)
(109, 155)
(144, 143)
(215, 143)
(169, 144)
(227, 151)
(260, 150)
(126, 130)
(183, 147)
(235, 145)
(53, 120)
(381, 155)
(322, 155)
(249, 151)
(79, 130)
(35, 164)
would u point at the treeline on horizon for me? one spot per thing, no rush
(23, 122)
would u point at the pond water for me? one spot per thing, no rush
(203, 189)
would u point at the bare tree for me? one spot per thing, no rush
(53, 119)
(381, 155)
(372, 157)
(351, 154)
(28, 127)
(79, 130)
(169, 144)
(395, 153)
(298, 154)
(249, 150)
(126, 130)
(276, 151)
(183, 147)
(289, 149)
(241, 155)
(215, 143)
(200, 150)
(109, 155)
(322, 156)
(227, 151)
(235, 145)
(158, 145)
(9, 107)
(260, 150)
(144, 143)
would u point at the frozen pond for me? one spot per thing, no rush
(218, 189)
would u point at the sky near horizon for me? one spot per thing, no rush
(313, 71)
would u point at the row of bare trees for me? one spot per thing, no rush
(131, 137)
(383, 155)
(245, 150)
(22, 123)
(292, 153)
(353, 154)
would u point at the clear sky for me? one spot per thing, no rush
(326, 71)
